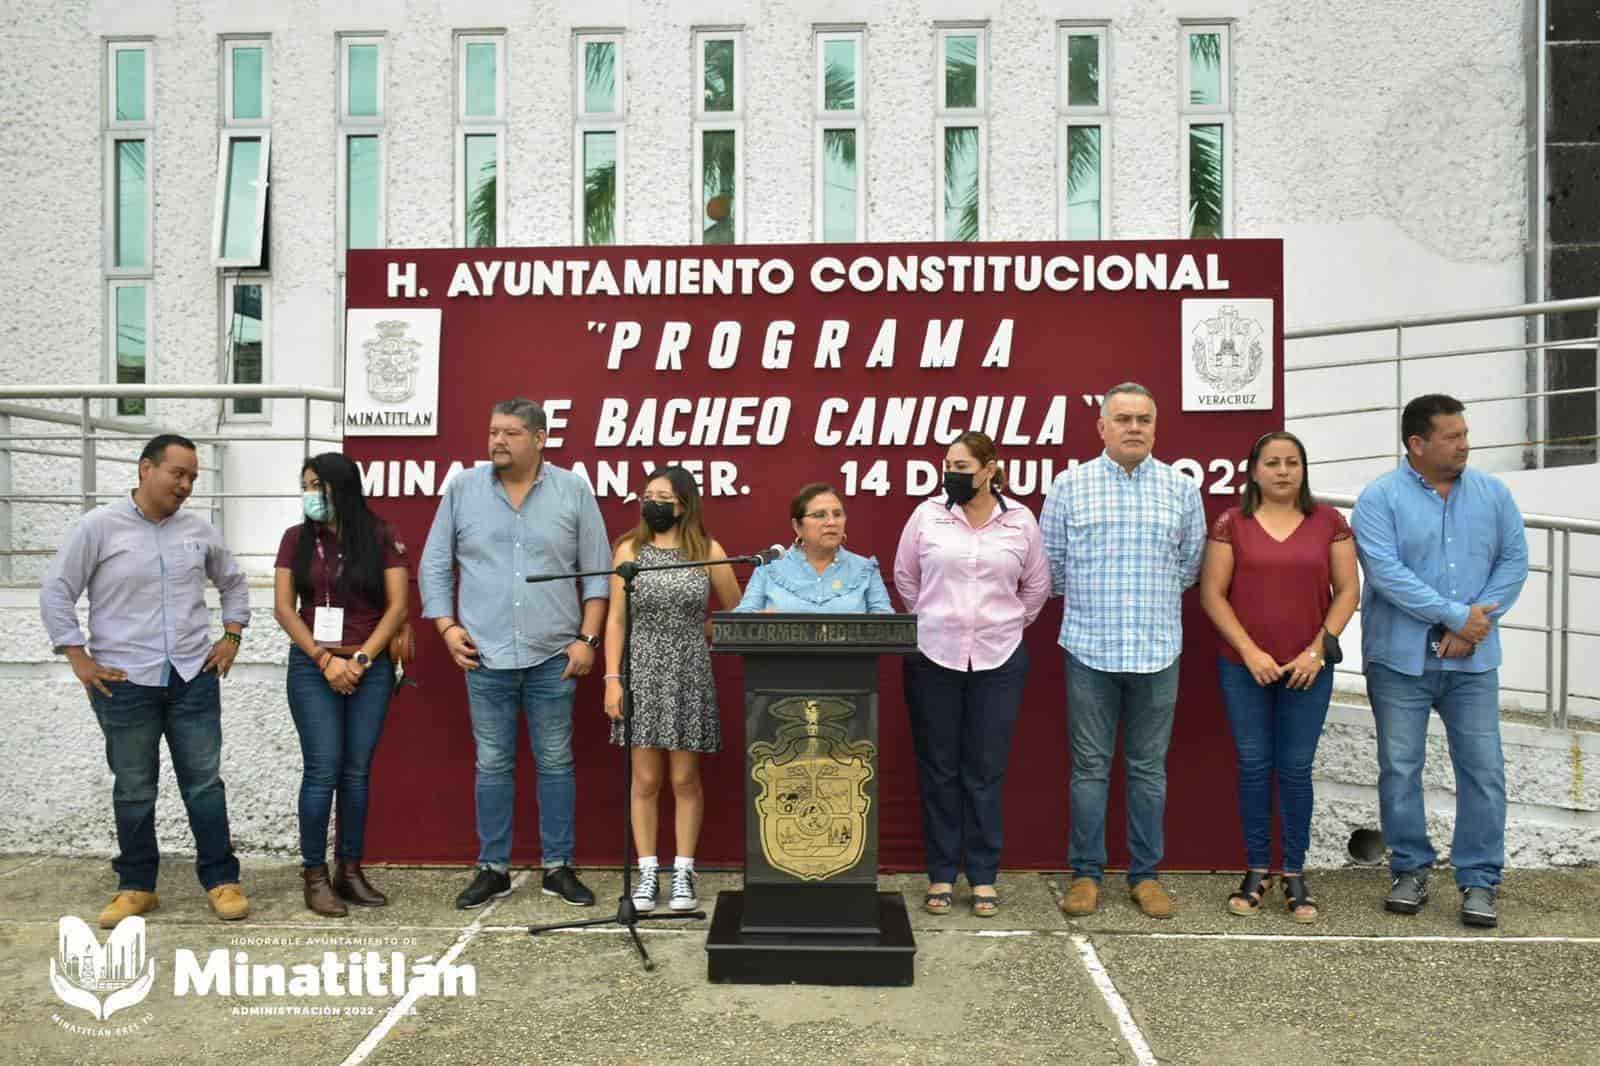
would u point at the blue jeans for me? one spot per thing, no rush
(1469, 706)
(1275, 729)
(338, 735)
(497, 698)
(134, 718)
(1097, 702)
(961, 724)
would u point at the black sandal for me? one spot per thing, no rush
(938, 902)
(1251, 890)
(1298, 895)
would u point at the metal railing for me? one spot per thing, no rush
(93, 430)
(1532, 314)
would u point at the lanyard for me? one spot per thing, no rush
(327, 590)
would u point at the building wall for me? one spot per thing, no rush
(1385, 143)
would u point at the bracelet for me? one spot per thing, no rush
(234, 638)
(448, 628)
(612, 677)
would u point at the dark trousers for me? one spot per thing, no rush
(1275, 732)
(961, 723)
(338, 736)
(134, 718)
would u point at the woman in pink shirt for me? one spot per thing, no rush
(972, 567)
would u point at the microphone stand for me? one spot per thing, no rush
(628, 915)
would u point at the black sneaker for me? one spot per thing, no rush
(1407, 892)
(563, 882)
(1477, 907)
(486, 885)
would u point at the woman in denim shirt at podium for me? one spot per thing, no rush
(817, 575)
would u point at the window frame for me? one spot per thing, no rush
(230, 283)
(702, 36)
(586, 122)
(231, 44)
(1082, 116)
(480, 125)
(942, 32)
(225, 140)
(696, 182)
(112, 286)
(346, 42)
(1189, 122)
(941, 124)
(113, 137)
(342, 199)
(1192, 115)
(129, 44)
(827, 121)
(1186, 72)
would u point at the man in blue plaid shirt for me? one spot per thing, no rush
(1124, 533)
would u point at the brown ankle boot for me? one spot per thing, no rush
(320, 897)
(351, 884)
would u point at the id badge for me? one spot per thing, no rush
(327, 625)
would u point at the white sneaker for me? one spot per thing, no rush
(644, 892)
(683, 897)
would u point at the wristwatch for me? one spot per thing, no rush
(361, 659)
(592, 641)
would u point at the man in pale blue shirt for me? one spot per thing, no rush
(150, 667)
(1445, 558)
(1124, 533)
(523, 646)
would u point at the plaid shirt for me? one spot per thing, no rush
(1122, 549)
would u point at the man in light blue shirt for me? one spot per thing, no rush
(1124, 533)
(523, 646)
(150, 667)
(1445, 558)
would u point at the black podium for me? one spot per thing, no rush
(810, 911)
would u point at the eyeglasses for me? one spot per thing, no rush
(823, 516)
(661, 499)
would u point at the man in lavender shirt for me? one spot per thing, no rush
(150, 668)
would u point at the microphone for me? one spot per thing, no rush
(770, 555)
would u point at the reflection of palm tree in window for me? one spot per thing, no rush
(718, 148)
(718, 87)
(1205, 142)
(600, 179)
(961, 183)
(600, 204)
(482, 208)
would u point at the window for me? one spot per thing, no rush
(961, 132)
(244, 146)
(1206, 176)
(361, 144)
(128, 259)
(719, 137)
(1084, 136)
(597, 145)
(840, 151)
(480, 139)
(244, 340)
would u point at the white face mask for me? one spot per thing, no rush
(316, 506)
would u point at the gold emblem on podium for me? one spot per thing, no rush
(813, 803)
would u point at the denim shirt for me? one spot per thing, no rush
(1428, 558)
(850, 585)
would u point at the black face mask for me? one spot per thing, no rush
(658, 516)
(959, 486)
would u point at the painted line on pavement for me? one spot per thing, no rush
(1118, 1006)
(1317, 938)
(400, 1009)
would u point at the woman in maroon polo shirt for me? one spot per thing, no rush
(1280, 583)
(348, 574)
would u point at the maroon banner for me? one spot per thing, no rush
(763, 368)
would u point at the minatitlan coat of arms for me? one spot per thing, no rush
(1227, 350)
(813, 804)
(392, 363)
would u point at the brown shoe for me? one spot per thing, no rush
(1083, 897)
(125, 904)
(1152, 899)
(229, 902)
(320, 897)
(352, 885)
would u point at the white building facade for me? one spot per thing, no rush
(185, 178)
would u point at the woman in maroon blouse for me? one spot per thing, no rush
(340, 594)
(1279, 583)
